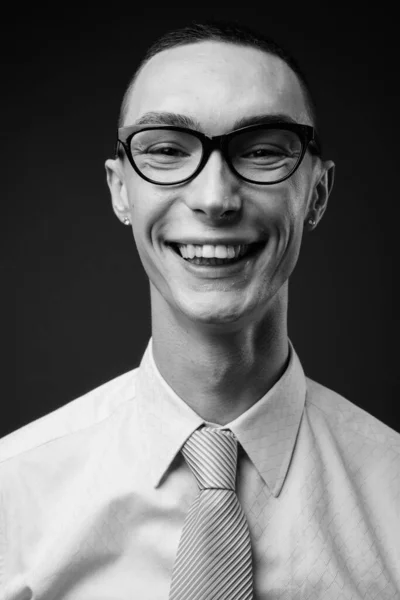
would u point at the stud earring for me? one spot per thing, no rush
(311, 222)
(126, 221)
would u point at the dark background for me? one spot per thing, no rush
(82, 299)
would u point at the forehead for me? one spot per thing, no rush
(217, 84)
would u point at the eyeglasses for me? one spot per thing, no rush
(263, 154)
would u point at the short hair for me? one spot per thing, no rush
(220, 31)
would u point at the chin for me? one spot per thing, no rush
(215, 313)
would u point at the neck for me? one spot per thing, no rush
(220, 372)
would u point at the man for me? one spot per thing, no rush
(215, 469)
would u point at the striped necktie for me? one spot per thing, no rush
(214, 554)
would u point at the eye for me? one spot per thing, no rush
(166, 150)
(266, 151)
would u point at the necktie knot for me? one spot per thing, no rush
(212, 457)
(214, 558)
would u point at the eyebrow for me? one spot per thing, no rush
(168, 118)
(265, 119)
(178, 120)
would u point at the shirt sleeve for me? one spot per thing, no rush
(2, 543)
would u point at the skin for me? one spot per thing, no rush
(219, 339)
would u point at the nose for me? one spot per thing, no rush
(214, 193)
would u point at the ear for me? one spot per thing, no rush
(116, 184)
(320, 195)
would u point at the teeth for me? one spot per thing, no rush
(221, 252)
(210, 251)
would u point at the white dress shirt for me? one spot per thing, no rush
(94, 495)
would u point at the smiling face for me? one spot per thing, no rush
(217, 249)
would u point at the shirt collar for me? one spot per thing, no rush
(166, 421)
(267, 431)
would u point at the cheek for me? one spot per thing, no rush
(284, 213)
(147, 207)
(283, 210)
(150, 208)
(296, 207)
(296, 201)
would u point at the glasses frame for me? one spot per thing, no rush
(306, 134)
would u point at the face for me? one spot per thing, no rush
(217, 214)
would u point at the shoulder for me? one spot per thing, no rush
(78, 415)
(359, 454)
(348, 422)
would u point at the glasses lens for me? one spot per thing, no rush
(166, 155)
(265, 155)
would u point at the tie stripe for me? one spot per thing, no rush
(214, 555)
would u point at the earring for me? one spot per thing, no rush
(126, 221)
(311, 222)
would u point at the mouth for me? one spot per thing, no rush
(208, 255)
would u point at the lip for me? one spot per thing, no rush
(214, 242)
(218, 271)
